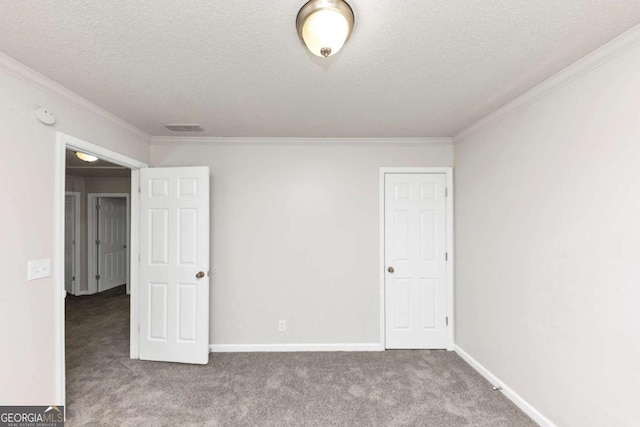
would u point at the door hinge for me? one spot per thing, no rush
(97, 207)
(97, 242)
(447, 320)
(446, 191)
(97, 277)
(446, 256)
(73, 278)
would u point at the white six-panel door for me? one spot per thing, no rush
(174, 264)
(112, 249)
(415, 265)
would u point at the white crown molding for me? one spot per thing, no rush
(32, 77)
(287, 348)
(607, 52)
(525, 406)
(174, 140)
(71, 142)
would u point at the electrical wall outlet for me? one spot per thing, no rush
(38, 269)
(282, 325)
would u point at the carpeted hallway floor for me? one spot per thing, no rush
(392, 388)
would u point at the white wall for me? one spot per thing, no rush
(97, 184)
(85, 185)
(295, 236)
(27, 353)
(548, 247)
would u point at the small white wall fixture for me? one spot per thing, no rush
(448, 172)
(64, 142)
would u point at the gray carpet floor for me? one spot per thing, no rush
(391, 388)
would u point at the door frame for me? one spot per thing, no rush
(76, 235)
(92, 198)
(64, 142)
(449, 248)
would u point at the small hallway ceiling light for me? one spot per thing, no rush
(86, 157)
(325, 25)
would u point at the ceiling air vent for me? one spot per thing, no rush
(180, 127)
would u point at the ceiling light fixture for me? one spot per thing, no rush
(325, 25)
(86, 157)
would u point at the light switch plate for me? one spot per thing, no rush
(37, 269)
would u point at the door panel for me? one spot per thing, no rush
(187, 312)
(174, 248)
(415, 288)
(158, 311)
(159, 236)
(187, 236)
(428, 296)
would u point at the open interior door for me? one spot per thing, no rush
(174, 264)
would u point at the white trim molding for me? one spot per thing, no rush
(289, 348)
(64, 142)
(37, 80)
(83, 293)
(224, 141)
(525, 406)
(448, 172)
(58, 269)
(607, 52)
(73, 143)
(134, 265)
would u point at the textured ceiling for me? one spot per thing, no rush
(412, 68)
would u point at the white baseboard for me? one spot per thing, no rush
(525, 406)
(82, 293)
(281, 348)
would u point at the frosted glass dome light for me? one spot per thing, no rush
(325, 25)
(86, 157)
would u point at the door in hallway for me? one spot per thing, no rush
(112, 242)
(415, 261)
